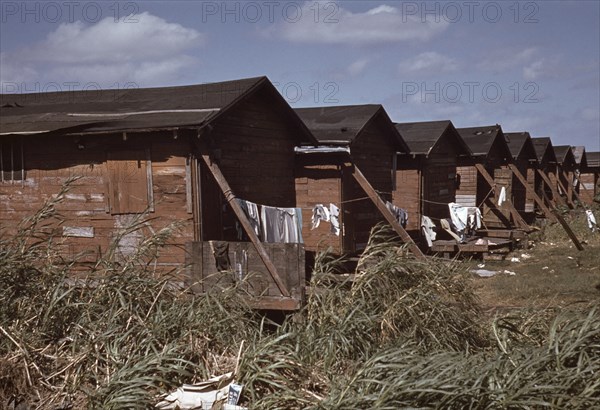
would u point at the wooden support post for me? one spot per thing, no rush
(531, 189)
(559, 184)
(381, 206)
(569, 231)
(572, 188)
(555, 195)
(515, 214)
(241, 215)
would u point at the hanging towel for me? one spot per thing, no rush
(428, 228)
(334, 218)
(281, 225)
(502, 196)
(465, 219)
(320, 213)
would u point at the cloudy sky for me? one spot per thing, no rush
(529, 66)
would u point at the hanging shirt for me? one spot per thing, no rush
(428, 228)
(320, 213)
(251, 210)
(281, 225)
(400, 214)
(334, 218)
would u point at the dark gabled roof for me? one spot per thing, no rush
(421, 137)
(593, 159)
(341, 125)
(564, 154)
(129, 109)
(543, 146)
(481, 139)
(579, 154)
(520, 145)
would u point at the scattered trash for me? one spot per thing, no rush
(235, 391)
(591, 220)
(481, 265)
(545, 268)
(515, 259)
(484, 273)
(481, 241)
(203, 395)
(525, 256)
(511, 273)
(570, 257)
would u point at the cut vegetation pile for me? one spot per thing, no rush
(397, 333)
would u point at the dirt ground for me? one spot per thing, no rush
(549, 273)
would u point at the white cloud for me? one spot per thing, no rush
(148, 51)
(382, 24)
(534, 70)
(507, 58)
(357, 67)
(429, 61)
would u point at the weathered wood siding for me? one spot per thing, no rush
(521, 200)
(407, 194)
(372, 152)
(247, 266)
(589, 186)
(466, 192)
(439, 178)
(318, 181)
(253, 145)
(91, 218)
(493, 217)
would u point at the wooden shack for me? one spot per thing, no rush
(183, 155)
(589, 178)
(546, 170)
(580, 156)
(525, 164)
(425, 179)
(484, 173)
(351, 168)
(565, 173)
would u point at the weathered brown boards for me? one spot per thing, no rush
(490, 151)
(366, 186)
(241, 215)
(557, 182)
(133, 151)
(360, 135)
(487, 249)
(571, 188)
(552, 186)
(426, 176)
(553, 216)
(589, 177)
(531, 190)
(516, 217)
(246, 272)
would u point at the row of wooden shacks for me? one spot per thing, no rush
(260, 188)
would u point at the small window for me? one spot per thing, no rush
(11, 160)
(129, 182)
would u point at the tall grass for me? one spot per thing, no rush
(397, 333)
(114, 340)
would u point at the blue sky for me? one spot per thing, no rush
(528, 66)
